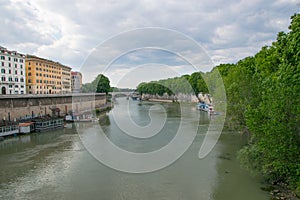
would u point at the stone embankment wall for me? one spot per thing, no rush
(21, 106)
(178, 97)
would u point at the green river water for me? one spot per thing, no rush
(56, 164)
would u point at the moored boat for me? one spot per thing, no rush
(205, 107)
(9, 130)
(45, 124)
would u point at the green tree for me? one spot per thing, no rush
(274, 120)
(103, 85)
(197, 82)
(100, 84)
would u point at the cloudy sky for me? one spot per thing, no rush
(74, 32)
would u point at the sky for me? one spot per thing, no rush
(132, 41)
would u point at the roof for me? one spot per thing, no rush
(33, 57)
(26, 124)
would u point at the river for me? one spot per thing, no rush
(56, 164)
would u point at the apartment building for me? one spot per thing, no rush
(13, 78)
(45, 76)
(76, 82)
(66, 79)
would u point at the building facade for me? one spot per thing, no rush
(13, 78)
(76, 82)
(46, 77)
(66, 79)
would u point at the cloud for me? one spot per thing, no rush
(68, 31)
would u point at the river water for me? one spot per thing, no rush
(56, 164)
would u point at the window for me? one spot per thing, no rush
(2, 78)
(9, 64)
(22, 80)
(2, 64)
(29, 80)
(16, 86)
(22, 86)
(28, 63)
(16, 59)
(21, 60)
(37, 81)
(41, 82)
(21, 66)
(29, 73)
(10, 86)
(29, 86)
(10, 78)
(21, 72)
(16, 71)
(3, 71)
(22, 92)
(2, 57)
(16, 80)
(16, 66)
(29, 68)
(37, 74)
(8, 58)
(9, 71)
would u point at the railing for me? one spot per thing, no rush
(9, 130)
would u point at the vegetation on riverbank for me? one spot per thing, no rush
(263, 95)
(263, 99)
(101, 84)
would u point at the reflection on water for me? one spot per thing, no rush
(55, 165)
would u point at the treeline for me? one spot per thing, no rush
(263, 98)
(186, 84)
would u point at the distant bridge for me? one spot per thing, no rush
(120, 94)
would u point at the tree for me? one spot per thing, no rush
(103, 85)
(197, 82)
(100, 84)
(274, 120)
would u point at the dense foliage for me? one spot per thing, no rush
(101, 84)
(263, 96)
(186, 84)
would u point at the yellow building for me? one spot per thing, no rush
(46, 77)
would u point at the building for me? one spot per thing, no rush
(76, 82)
(46, 76)
(12, 65)
(66, 79)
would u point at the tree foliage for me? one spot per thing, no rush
(186, 84)
(100, 84)
(263, 96)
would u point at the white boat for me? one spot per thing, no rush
(206, 108)
(9, 130)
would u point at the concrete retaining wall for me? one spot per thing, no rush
(20, 106)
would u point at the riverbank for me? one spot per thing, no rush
(103, 108)
(280, 191)
(22, 107)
